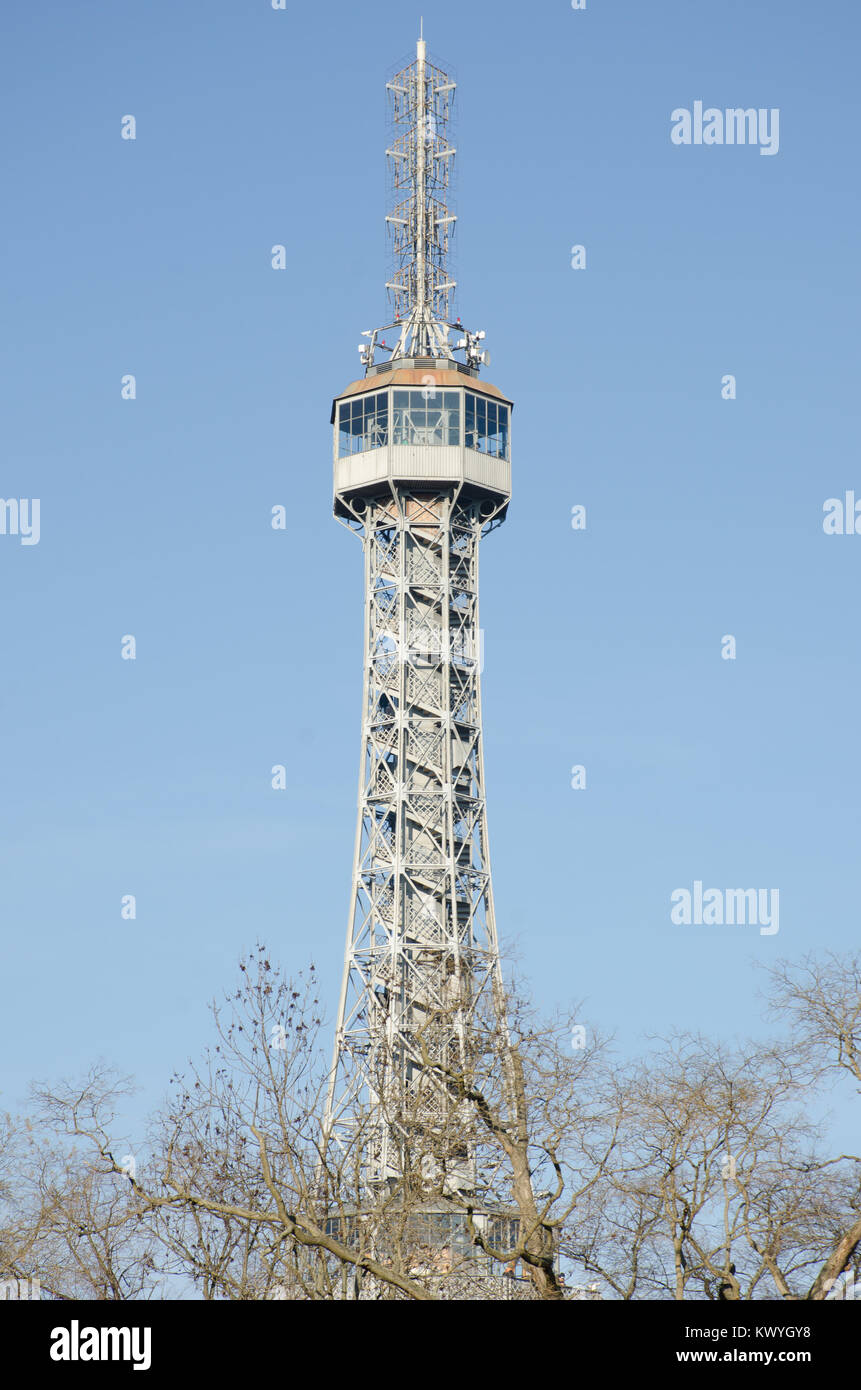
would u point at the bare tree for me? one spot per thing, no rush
(238, 1187)
(76, 1224)
(820, 999)
(546, 1120)
(697, 1172)
(248, 1197)
(717, 1190)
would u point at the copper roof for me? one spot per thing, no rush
(412, 376)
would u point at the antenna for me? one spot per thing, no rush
(421, 222)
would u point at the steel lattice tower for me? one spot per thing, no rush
(421, 472)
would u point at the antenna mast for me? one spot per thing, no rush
(421, 222)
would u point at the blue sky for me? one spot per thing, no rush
(258, 127)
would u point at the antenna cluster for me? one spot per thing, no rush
(421, 222)
(421, 158)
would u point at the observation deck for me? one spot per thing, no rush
(421, 421)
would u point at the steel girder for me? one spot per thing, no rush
(422, 953)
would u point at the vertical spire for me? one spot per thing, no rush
(421, 222)
(423, 218)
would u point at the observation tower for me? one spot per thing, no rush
(422, 472)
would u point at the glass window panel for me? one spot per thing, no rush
(380, 422)
(345, 442)
(363, 424)
(419, 417)
(452, 417)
